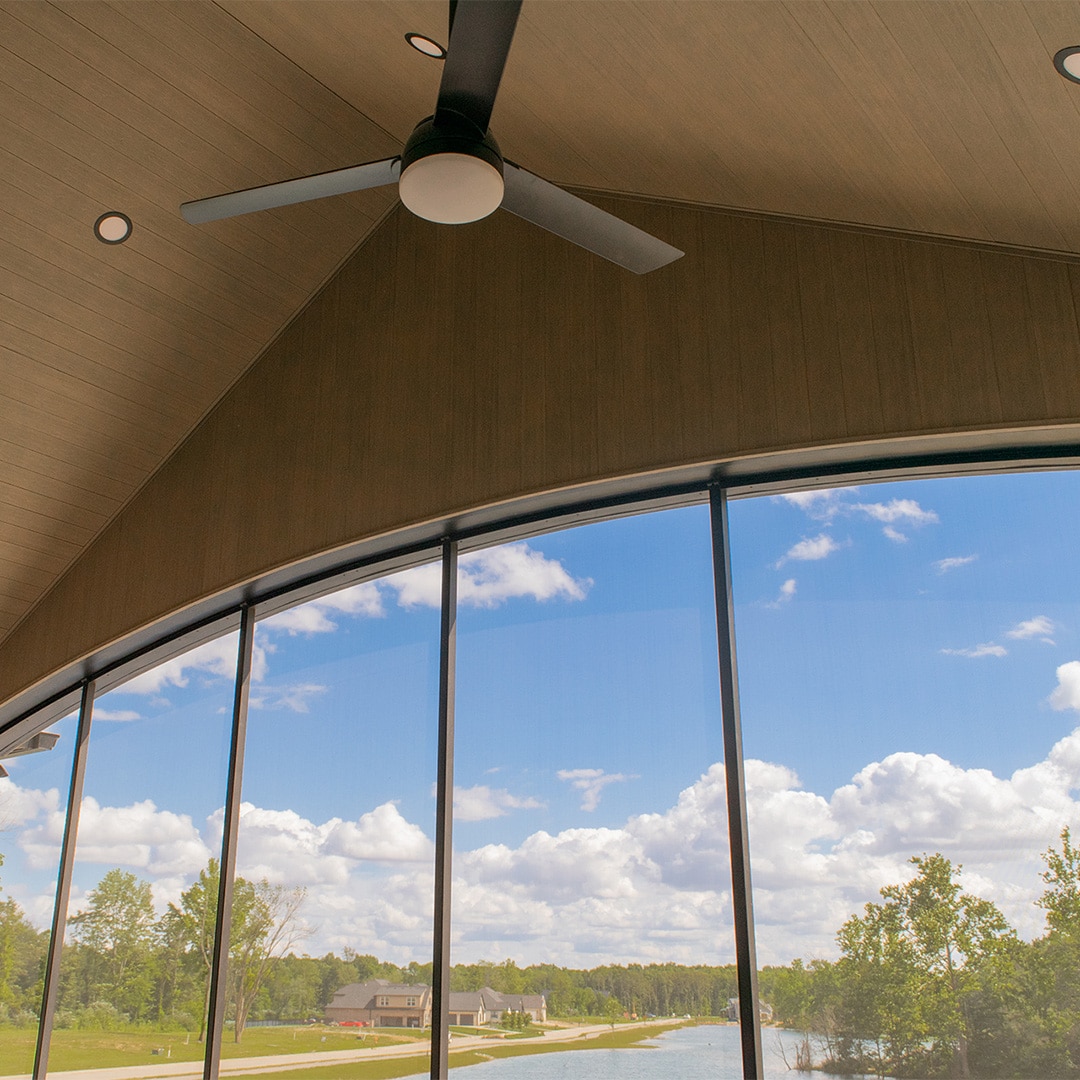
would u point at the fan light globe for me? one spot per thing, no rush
(451, 188)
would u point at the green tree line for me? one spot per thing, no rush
(125, 964)
(933, 982)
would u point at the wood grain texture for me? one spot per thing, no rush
(110, 355)
(448, 369)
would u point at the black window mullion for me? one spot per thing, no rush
(215, 1021)
(63, 884)
(444, 805)
(741, 891)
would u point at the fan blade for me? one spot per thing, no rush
(475, 57)
(583, 224)
(319, 186)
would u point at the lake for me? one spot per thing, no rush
(706, 1052)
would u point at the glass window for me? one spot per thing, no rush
(33, 806)
(591, 869)
(334, 892)
(910, 688)
(134, 971)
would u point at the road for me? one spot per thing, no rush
(192, 1070)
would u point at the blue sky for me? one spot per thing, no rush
(904, 649)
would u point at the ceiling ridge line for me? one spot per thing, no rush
(842, 225)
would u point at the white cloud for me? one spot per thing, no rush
(293, 696)
(1039, 627)
(943, 566)
(215, 658)
(827, 505)
(314, 617)
(481, 803)
(655, 887)
(591, 782)
(810, 549)
(907, 511)
(785, 595)
(1067, 693)
(488, 578)
(115, 715)
(20, 805)
(821, 505)
(139, 836)
(977, 651)
(382, 835)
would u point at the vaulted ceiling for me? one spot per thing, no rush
(941, 118)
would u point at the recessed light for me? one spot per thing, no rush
(1067, 61)
(426, 45)
(112, 227)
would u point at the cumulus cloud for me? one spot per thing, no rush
(655, 887)
(382, 835)
(20, 805)
(809, 549)
(490, 577)
(316, 616)
(1039, 627)
(943, 566)
(591, 783)
(977, 651)
(895, 535)
(1066, 694)
(139, 836)
(481, 803)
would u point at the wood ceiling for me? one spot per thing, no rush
(943, 118)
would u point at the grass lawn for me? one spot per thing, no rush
(102, 1049)
(388, 1070)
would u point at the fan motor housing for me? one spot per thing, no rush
(451, 172)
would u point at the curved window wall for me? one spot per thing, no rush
(561, 713)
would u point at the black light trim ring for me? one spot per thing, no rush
(433, 48)
(109, 215)
(1059, 62)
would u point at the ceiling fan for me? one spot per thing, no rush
(451, 169)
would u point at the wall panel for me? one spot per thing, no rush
(447, 369)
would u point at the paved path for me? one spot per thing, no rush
(192, 1070)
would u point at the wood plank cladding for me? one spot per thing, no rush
(446, 369)
(109, 356)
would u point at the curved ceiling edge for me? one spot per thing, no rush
(55, 695)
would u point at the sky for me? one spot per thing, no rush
(909, 681)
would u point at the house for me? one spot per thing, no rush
(380, 1003)
(475, 1008)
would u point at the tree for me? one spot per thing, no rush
(119, 931)
(1061, 899)
(265, 925)
(908, 966)
(193, 923)
(22, 954)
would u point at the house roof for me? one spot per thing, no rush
(931, 117)
(364, 995)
